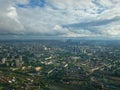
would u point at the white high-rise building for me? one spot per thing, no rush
(4, 60)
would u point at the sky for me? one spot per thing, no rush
(36, 19)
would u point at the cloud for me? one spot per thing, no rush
(94, 23)
(100, 27)
(61, 18)
(9, 23)
(21, 1)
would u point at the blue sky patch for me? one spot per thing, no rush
(33, 3)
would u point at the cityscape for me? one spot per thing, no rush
(60, 65)
(59, 45)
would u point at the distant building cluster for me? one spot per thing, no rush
(87, 63)
(12, 62)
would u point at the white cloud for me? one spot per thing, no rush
(21, 1)
(70, 4)
(9, 23)
(49, 20)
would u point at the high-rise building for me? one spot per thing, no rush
(4, 60)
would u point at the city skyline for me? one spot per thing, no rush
(38, 19)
